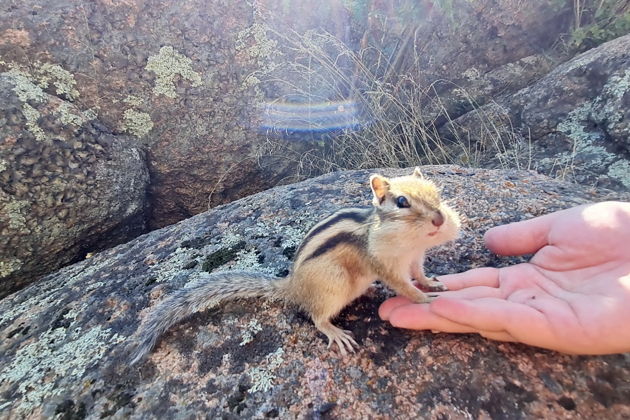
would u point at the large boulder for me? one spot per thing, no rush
(67, 186)
(572, 123)
(185, 79)
(64, 340)
(181, 78)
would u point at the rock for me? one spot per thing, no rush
(63, 349)
(468, 53)
(66, 188)
(186, 80)
(572, 123)
(173, 76)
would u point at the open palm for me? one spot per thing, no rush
(573, 296)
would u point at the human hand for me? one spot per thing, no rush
(573, 295)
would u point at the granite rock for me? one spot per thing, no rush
(67, 187)
(64, 347)
(187, 79)
(572, 123)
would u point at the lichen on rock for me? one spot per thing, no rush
(60, 78)
(137, 123)
(167, 65)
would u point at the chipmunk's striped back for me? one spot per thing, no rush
(346, 227)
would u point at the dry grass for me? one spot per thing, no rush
(400, 117)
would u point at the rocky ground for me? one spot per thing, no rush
(64, 349)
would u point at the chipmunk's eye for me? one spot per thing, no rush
(402, 202)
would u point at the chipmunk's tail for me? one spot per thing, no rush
(211, 290)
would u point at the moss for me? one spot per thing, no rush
(167, 65)
(222, 256)
(137, 123)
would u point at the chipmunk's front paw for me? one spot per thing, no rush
(434, 285)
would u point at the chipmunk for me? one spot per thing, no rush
(338, 259)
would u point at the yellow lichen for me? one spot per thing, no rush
(137, 123)
(60, 78)
(32, 115)
(10, 266)
(168, 64)
(67, 117)
(132, 100)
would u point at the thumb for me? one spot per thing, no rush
(520, 238)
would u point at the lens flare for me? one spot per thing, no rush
(309, 117)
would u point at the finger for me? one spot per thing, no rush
(474, 292)
(526, 324)
(390, 304)
(488, 314)
(419, 317)
(486, 276)
(520, 238)
(498, 336)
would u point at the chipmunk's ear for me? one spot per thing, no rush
(416, 172)
(380, 187)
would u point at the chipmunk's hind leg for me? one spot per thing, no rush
(343, 338)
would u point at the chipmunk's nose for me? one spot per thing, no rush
(438, 219)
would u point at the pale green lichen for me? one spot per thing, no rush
(261, 49)
(248, 334)
(137, 123)
(3, 165)
(593, 156)
(620, 171)
(471, 74)
(262, 377)
(32, 115)
(619, 85)
(255, 42)
(168, 268)
(58, 354)
(24, 88)
(67, 117)
(60, 78)
(247, 260)
(90, 114)
(132, 100)
(168, 64)
(609, 106)
(30, 88)
(71, 275)
(10, 266)
(15, 211)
